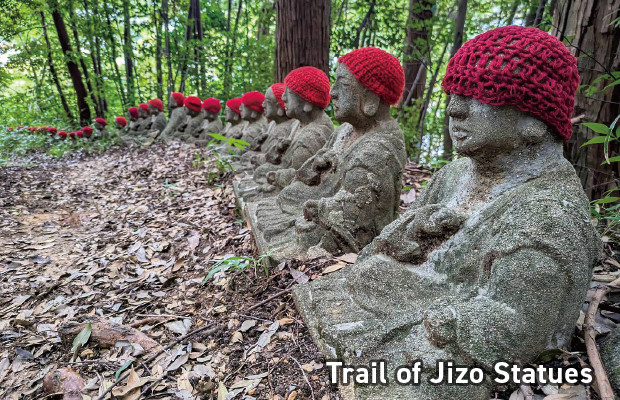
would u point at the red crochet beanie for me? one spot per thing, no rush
(72, 135)
(278, 91)
(311, 84)
(80, 134)
(62, 134)
(521, 67)
(88, 131)
(254, 101)
(234, 104)
(158, 104)
(101, 121)
(52, 130)
(144, 107)
(121, 120)
(193, 103)
(377, 70)
(179, 98)
(212, 105)
(133, 111)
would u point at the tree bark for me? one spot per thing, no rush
(230, 50)
(50, 63)
(540, 11)
(158, 53)
(74, 70)
(112, 46)
(458, 41)
(513, 12)
(595, 42)
(302, 35)
(128, 52)
(167, 36)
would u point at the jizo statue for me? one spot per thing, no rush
(158, 118)
(120, 123)
(494, 259)
(252, 111)
(130, 132)
(188, 130)
(177, 117)
(211, 123)
(349, 191)
(305, 97)
(100, 129)
(144, 119)
(234, 122)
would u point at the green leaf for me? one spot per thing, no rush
(595, 140)
(612, 84)
(549, 355)
(607, 200)
(121, 369)
(611, 159)
(596, 127)
(82, 338)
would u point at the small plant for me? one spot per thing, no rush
(198, 161)
(232, 143)
(238, 263)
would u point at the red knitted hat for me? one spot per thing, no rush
(193, 103)
(121, 120)
(377, 70)
(52, 130)
(254, 101)
(133, 111)
(234, 104)
(311, 84)
(521, 67)
(212, 105)
(72, 135)
(88, 131)
(62, 134)
(157, 104)
(101, 121)
(278, 91)
(144, 107)
(179, 98)
(80, 134)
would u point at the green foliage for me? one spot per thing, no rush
(238, 264)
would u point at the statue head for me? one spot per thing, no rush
(275, 109)
(120, 123)
(307, 92)
(232, 113)
(156, 106)
(193, 106)
(143, 110)
(211, 108)
(504, 96)
(133, 113)
(176, 100)
(252, 106)
(368, 81)
(100, 123)
(87, 131)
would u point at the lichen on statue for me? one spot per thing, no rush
(463, 274)
(177, 117)
(344, 195)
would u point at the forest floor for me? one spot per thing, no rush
(125, 240)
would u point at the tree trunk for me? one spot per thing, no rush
(513, 12)
(540, 11)
(365, 24)
(595, 42)
(164, 12)
(50, 63)
(158, 53)
(112, 45)
(230, 51)
(74, 70)
(458, 41)
(302, 35)
(128, 52)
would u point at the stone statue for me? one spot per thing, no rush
(279, 128)
(211, 123)
(497, 235)
(232, 116)
(177, 117)
(188, 130)
(252, 111)
(158, 118)
(144, 119)
(120, 123)
(349, 191)
(306, 96)
(130, 138)
(87, 131)
(100, 129)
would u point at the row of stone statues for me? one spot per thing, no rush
(497, 236)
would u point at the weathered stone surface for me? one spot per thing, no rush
(144, 122)
(177, 117)
(188, 130)
(610, 354)
(497, 236)
(100, 131)
(234, 124)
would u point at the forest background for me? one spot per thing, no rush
(65, 62)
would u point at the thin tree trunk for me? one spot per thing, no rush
(188, 37)
(595, 42)
(103, 105)
(231, 54)
(128, 52)
(302, 36)
(365, 23)
(112, 46)
(513, 12)
(458, 41)
(540, 11)
(74, 70)
(50, 63)
(167, 35)
(158, 53)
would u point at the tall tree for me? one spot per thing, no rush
(74, 70)
(231, 45)
(158, 52)
(128, 52)
(459, 28)
(594, 40)
(50, 64)
(302, 35)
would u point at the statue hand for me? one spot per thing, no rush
(440, 323)
(283, 146)
(271, 177)
(311, 210)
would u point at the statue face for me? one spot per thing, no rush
(347, 96)
(172, 103)
(479, 129)
(131, 118)
(294, 104)
(117, 125)
(153, 110)
(271, 105)
(246, 113)
(191, 113)
(142, 113)
(97, 125)
(230, 115)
